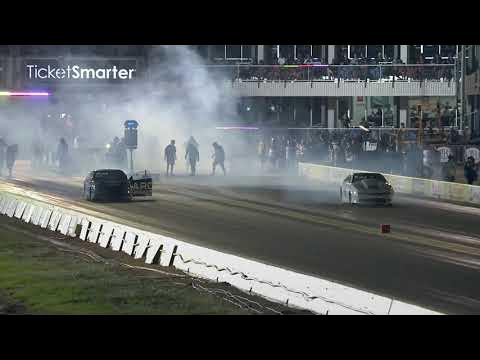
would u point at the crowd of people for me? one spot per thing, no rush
(390, 151)
(342, 67)
(336, 147)
(192, 157)
(344, 71)
(61, 157)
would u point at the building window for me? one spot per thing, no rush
(232, 52)
(447, 51)
(286, 51)
(317, 51)
(303, 51)
(359, 51)
(429, 51)
(218, 52)
(374, 50)
(389, 51)
(246, 52)
(341, 51)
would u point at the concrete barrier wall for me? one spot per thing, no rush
(401, 184)
(277, 284)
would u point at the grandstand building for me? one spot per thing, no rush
(324, 85)
(280, 85)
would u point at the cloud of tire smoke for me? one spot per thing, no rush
(177, 98)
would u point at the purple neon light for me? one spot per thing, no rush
(23, 93)
(236, 128)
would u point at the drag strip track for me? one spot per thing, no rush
(431, 258)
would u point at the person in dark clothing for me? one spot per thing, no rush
(12, 151)
(3, 147)
(449, 169)
(62, 154)
(470, 170)
(273, 153)
(262, 153)
(193, 157)
(170, 156)
(121, 154)
(218, 158)
(291, 154)
(38, 152)
(113, 152)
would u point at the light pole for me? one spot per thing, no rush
(462, 99)
(131, 130)
(460, 80)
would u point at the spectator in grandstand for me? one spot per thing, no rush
(452, 137)
(262, 152)
(291, 154)
(300, 150)
(346, 121)
(449, 169)
(273, 153)
(470, 170)
(379, 58)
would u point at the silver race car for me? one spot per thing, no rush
(366, 188)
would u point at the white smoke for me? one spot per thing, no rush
(178, 98)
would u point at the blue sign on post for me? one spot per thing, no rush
(131, 138)
(131, 124)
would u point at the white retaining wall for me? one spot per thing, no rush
(288, 287)
(401, 184)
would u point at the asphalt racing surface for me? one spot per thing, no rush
(431, 257)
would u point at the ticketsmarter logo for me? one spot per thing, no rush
(77, 72)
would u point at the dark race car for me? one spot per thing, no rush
(113, 184)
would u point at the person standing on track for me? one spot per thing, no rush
(12, 151)
(62, 154)
(121, 154)
(193, 156)
(3, 146)
(170, 156)
(218, 158)
(38, 152)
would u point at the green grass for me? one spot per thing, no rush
(46, 280)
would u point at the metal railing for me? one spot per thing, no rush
(319, 72)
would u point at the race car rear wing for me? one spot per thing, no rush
(140, 184)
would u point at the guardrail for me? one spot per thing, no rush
(401, 184)
(321, 72)
(288, 287)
